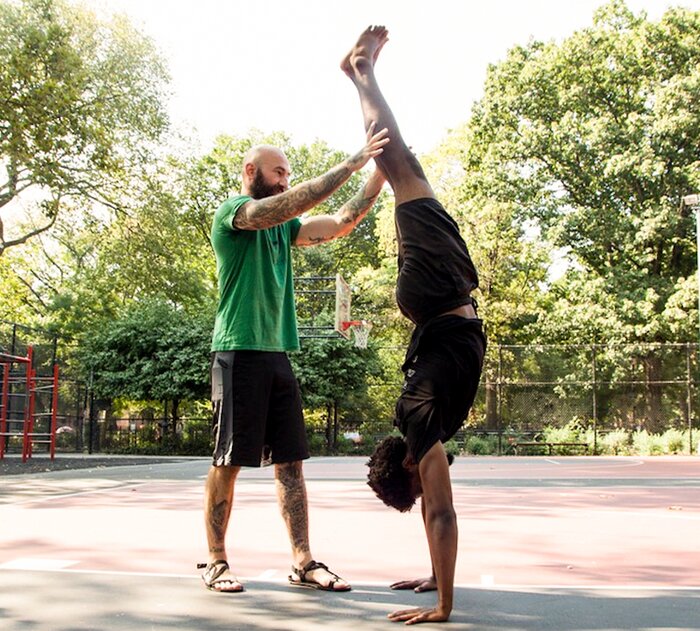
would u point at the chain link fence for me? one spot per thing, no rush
(527, 394)
(526, 390)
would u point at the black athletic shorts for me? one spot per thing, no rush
(257, 409)
(442, 372)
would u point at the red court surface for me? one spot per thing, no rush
(545, 543)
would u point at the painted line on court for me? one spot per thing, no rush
(656, 513)
(370, 583)
(50, 498)
(38, 565)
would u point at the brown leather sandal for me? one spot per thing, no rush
(212, 577)
(313, 584)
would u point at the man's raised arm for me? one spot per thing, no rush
(321, 228)
(258, 214)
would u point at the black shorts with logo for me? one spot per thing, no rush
(442, 372)
(257, 409)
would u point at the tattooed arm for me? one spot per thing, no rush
(258, 214)
(322, 228)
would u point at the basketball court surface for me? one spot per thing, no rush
(561, 544)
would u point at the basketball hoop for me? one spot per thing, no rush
(360, 330)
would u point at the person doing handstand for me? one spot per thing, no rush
(444, 359)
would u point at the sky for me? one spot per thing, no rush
(273, 65)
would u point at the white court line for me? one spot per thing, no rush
(39, 565)
(371, 583)
(49, 498)
(652, 513)
(571, 462)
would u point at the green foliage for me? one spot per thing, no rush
(317, 444)
(333, 371)
(511, 261)
(481, 445)
(646, 444)
(81, 101)
(596, 139)
(675, 441)
(615, 443)
(570, 433)
(452, 447)
(152, 352)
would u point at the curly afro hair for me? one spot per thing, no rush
(387, 476)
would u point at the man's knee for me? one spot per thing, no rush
(285, 471)
(224, 475)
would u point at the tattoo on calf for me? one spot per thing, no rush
(218, 518)
(292, 493)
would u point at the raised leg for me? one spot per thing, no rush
(401, 168)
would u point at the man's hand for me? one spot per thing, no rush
(374, 147)
(418, 585)
(421, 614)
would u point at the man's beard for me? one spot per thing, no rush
(260, 188)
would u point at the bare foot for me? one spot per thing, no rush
(364, 53)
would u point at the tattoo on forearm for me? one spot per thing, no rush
(293, 504)
(357, 207)
(277, 209)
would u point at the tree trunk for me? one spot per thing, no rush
(335, 424)
(654, 422)
(491, 394)
(329, 421)
(176, 415)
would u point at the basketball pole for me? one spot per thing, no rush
(693, 202)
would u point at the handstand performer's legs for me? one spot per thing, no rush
(400, 166)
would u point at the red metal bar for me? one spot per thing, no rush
(13, 358)
(28, 409)
(3, 405)
(54, 408)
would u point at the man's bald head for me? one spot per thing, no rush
(266, 171)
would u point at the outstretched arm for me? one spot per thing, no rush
(322, 228)
(258, 214)
(419, 585)
(441, 530)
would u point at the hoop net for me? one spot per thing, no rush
(360, 331)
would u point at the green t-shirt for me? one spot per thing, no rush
(256, 287)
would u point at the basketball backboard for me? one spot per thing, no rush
(342, 306)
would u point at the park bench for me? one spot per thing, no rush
(548, 445)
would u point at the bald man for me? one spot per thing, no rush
(257, 409)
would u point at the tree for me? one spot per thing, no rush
(153, 352)
(597, 139)
(333, 374)
(80, 102)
